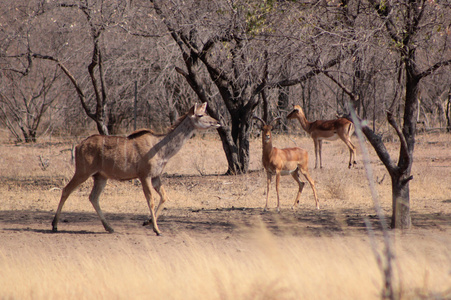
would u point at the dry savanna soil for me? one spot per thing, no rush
(217, 242)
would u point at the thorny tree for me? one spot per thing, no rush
(226, 45)
(406, 23)
(92, 19)
(406, 28)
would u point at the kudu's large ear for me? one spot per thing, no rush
(202, 108)
(192, 110)
(198, 110)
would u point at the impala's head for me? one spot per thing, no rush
(296, 110)
(266, 129)
(200, 119)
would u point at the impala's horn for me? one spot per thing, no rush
(275, 120)
(257, 118)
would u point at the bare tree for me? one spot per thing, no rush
(79, 41)
(225, 47)
(24, 100)
(28, 89)
(403, 24)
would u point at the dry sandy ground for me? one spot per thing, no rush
(225, 207)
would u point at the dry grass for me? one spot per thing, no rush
(210, 251)
(262, 267)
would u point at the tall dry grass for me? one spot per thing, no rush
(262, 267)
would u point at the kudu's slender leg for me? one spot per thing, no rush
(151, 203)
(97, 189)
(301, 184)
(76, 180)
(156, 183)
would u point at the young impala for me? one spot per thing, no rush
(321, 130)
(284, 162)
(143, 155)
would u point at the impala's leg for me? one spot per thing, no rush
(67, 190)
(350, 132)
(301, 184)
(320, 150)
(351, 148)
(268, 183)
(315, 143)
(277, 190)
(351, 153)
(304, 172)
(97, 189)
(151, 204)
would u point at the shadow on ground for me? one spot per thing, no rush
(222, 220)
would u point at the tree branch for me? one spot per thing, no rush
(351, 95)
(434, 68)
(404, 148)
(80, 93)
(308, 75)
(377, 143)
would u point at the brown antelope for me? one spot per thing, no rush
(283, 162)
(143, 155)
(321, 130)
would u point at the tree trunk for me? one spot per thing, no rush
(401, 203)
(400, 174)
(231, 152)
(236, 145)
(400, 180)
(282, 104)
(448, 112)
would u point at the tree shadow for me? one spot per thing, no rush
(230, 220)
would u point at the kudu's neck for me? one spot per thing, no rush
(175, 139)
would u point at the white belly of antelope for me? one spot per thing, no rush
(287, 172)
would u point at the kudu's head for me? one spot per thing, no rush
(266, 129)
(296, 110)
(200, 119)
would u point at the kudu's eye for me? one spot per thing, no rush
(200, 116)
